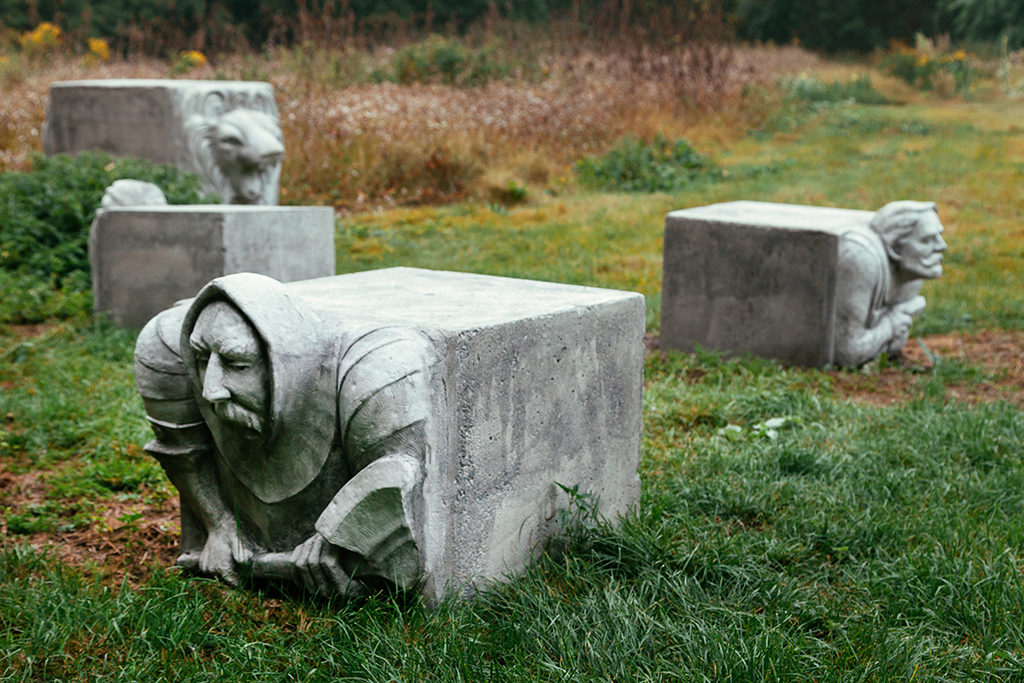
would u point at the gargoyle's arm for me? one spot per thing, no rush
(184, 448)
(383, 410)
(371, 517)
(862, 332)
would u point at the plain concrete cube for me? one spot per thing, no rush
(754, 277)
(146, 258)
(539, 384)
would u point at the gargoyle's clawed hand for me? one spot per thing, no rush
(223, 554)
(317, 567)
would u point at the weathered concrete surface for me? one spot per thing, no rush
(226, 131)
(754, 277)
(146, 258)
(540, 384)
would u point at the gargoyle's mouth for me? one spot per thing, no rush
(238, 415)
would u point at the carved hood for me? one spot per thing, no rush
(300, 419)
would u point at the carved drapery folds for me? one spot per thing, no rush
(298, 453)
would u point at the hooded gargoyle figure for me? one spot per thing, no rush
(297, 453)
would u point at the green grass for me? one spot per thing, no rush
(858, 543)
(853, 156)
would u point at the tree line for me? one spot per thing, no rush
(155, 26)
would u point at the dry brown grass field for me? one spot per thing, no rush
(357, 144)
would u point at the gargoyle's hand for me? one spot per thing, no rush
(912, 306)
(900, 331)
(224, 553)
(317, 567)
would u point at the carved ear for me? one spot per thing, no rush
(213, 105)
(200, 129)
(263, 104)
(893, 252)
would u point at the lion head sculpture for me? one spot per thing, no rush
(235, 143)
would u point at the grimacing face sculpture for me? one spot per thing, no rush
(247, 146)
(237, 148)
(920, 252)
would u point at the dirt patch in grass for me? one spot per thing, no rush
(997, 358)
(128, 550)
(999, 354)
(125, 541)
(30, 331)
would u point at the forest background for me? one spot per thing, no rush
(153, 26)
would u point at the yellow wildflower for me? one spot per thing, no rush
(44, 35)
(193, 58)
(959, 55)
(922, 60)
(99, 47)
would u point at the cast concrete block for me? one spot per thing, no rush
(754, 277)
(146, 258)
(538, 384)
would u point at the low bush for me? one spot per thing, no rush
(444, 60)
(29, 298)
(45, 216)
(857, 89)
(805, 95)
(928, 68)
(637, 166)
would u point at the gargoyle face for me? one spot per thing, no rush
(231, 366)
(247, 146)
(920, 253)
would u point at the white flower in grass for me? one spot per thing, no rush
(769, 428)
(731, 432)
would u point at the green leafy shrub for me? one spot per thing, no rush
(637, 166)
(29, 298)
(923, 68)
(805, 95)
(813, 91)
(444, 60)
(45, 216)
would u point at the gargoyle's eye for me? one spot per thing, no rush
(231, 140)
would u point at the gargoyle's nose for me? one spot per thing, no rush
(213, 381)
